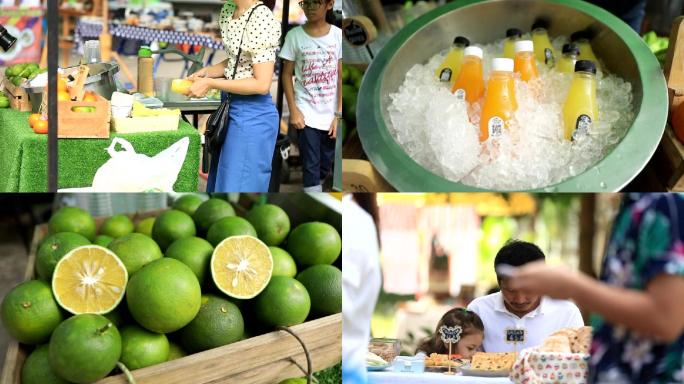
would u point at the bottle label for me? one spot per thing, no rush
(445, 75)
(460, 94)
(582, 127)
(495, 126)
(549, 60)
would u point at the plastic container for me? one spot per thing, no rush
(410, 364)
(387, 349)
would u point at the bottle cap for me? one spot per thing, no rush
(473, 51)
(524, 46)
(511, 32)
(144, 51)
(460, 40)
(540, 23)
(581, 35)
(502, 64)
(571, 48)
(585, 66)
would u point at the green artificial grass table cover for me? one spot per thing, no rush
(23, 155)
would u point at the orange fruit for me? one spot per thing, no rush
(40, 127)
(63, 96)
(61, 85)
(34, 117)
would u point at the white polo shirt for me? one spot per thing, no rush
(502, 327)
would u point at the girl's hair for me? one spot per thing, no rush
(269, 3)
(469, 321)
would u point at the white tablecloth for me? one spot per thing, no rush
(389, 377)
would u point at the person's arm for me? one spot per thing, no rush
(212, 71)
(656, 312)
(296, 116)
(260, 84)
(332, 132)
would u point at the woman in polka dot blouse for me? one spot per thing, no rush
(244, 163)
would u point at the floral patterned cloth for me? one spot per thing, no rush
(647, 240)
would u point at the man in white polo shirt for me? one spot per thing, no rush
(514, 320)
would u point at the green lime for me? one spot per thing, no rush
(117, 226)
(271, 223)
(193, 252)
(135, 251)
(171, 226)
(37, 370)
(324, 284)
(188, 203)
(219, 322)
(227, 227)
(4, 102)
(145, 226)
(314, 243)
(103, 240)
(53, 248)
(285, 302)
(141, 348)
(85, 348)
(17, 81)
(283, 263)
(164, 295)
(30, 312)
(175, 351)
(72, 219)
(210, 212)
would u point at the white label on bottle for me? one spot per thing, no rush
(582, 127)
(495, 126)
(460, 94)
(445, 75)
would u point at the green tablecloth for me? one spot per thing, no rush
(23, 155)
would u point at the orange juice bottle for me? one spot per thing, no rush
(448, 71)
(581, 38)
(543, 50)
(512, 35)
(581, 108)
(566, 64)
(525, 63)
(470, 82)
(500, 103)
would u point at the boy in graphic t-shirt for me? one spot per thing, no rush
(313, 52)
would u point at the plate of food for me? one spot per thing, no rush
(490, 364)
(375, 362)
(442, 362)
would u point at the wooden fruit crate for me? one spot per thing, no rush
(18, 97)
(264, 359)
(73, 124)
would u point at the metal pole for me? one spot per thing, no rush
(52, 21)
(283, 27)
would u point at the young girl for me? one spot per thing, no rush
(244, 163)
(471, 336)
(314, 52)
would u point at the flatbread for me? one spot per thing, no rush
(441, 360)
(488, 361)
(556, 343)
(578, 338)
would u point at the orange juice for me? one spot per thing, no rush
(470, 82)
(525, 63)
(566, 64)
(581, 38)
(581, 108)
(500, 103)
(543, 50)
(512, 35)
(451, 66)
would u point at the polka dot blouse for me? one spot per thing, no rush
(261, 39)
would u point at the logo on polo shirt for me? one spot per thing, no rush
(515, 335)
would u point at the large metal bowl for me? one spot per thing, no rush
(621, 49)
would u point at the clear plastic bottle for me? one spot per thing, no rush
(582, 40)
(580, 110)
(566, 64)
(470, 83)
(543, 50)
(451, 66)
(500, 103)
(525, 63)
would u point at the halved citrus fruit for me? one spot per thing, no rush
(89, 279)
(241, 266)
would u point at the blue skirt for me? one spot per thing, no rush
(244, 164)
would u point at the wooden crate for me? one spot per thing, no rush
(262, 359)
(669, 161)
(18, 97)
(84, 125)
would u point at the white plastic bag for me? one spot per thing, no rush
(128, 171)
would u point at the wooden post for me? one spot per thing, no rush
(674, 64)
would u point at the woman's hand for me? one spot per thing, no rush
(332, 132)
(297, 118)
(543, 279)
(200, 87)
(204, 72)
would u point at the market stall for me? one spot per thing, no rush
(386, 152)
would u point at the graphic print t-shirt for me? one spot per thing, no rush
(316, 60)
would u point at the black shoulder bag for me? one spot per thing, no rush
(217, 124)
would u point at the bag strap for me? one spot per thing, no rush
(242, 38)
